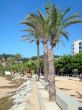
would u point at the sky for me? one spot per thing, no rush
(12, 12)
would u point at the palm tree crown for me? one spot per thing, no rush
(59, 21)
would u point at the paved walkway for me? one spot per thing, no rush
(44, 99)
(39, 99)
(34, 104)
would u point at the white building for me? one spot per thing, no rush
(77, 46)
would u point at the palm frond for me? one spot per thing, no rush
(41, 15)
(71, 22)
(29, 35)
(27, 38)
(24, 38)
(30, 24)
(75, 16)
(66, 11)
(31, 41)
(24, 30)
(65, 34)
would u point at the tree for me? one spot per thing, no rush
(33, 35)
(77, 62)
(39, 24)
(2, 69)
(18, 57)
(51, 27)
(44, 31)
(58, 22)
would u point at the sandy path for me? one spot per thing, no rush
(70, 87)
(5, 90)
(34, 104)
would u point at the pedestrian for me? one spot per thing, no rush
(80, 77)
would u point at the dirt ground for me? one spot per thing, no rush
(70, 86)
(5, 87)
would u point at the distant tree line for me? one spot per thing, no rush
(65, 65)
(6, 55)
(42, 56)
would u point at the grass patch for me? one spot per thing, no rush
(5, 103)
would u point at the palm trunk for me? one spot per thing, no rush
(38, 59)
(52, 89)
(45, 61)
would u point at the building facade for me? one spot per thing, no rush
(77, 46)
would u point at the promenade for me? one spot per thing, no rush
(31, 95)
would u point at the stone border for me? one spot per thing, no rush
(67, 102)
(64, 101)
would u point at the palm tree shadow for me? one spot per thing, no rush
(79, 94)
(65, 89)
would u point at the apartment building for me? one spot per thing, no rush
(77, 46)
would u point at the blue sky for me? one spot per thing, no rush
(12, 12)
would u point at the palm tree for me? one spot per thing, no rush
(18, 58)
(44, 31)
(39, 24)
(9, 61)
(52, 27)
(58, 22)
(32, 36)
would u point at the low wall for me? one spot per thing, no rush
(67, 102)
(43, 98)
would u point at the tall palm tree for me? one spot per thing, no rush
(44, 31)
(58, 22)
(39, 23)
(32, 36)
